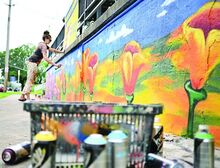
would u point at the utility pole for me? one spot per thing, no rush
(7, 47)
(19, 73)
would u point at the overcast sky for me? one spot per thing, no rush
(29, 18)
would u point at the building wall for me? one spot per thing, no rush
(159, 51)
(71, 24)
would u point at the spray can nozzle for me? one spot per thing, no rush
(203, 128)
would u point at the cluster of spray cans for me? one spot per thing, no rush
(110, 153)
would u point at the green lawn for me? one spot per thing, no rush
(3, 94)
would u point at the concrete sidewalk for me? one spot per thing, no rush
(15, 128)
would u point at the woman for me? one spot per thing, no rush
(33, 61)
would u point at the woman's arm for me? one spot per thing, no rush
(44, 53)
(50, 62)
(55, 50)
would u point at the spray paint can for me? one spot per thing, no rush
(203, 148)
(94, 151)
(16, 153)
(44, 150)
(157, 138)
(117, 149)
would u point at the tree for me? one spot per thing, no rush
(41, 73)
(17, 61)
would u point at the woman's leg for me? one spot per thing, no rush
(31, 75)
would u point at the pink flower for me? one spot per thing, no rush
(89, 66)
(132, 62)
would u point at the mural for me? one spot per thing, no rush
(168, 54)
(65, 83)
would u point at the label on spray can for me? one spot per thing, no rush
(16, 153)
(95, 153)
(44, 149)
(203, 148)
(157, 138)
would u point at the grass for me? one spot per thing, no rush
(4, 95)
(38, 92)
(9, 93)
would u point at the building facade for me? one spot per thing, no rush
(144, 52)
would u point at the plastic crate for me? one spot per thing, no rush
(66, 119)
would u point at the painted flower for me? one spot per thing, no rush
(200, 52)
(132, 62)
(93, 62)
(89, 66)
(84, 74)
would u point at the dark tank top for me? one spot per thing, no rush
(38, 53)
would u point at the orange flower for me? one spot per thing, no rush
(89, 66)
(132, 62)
(92, 66)
(200, 52)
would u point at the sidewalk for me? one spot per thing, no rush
(14, 125)
(15, 128)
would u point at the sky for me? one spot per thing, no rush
(29, 19)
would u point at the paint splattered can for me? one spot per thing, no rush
(203, 148)
(44, 150)
(16, 153)
(157, 138)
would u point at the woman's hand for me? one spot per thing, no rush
(58, 65)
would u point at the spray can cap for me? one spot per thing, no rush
(203, 128)
(95, 139)
(6, 156)
(117, 136)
